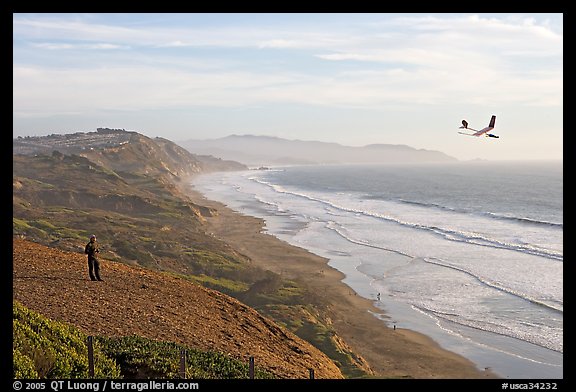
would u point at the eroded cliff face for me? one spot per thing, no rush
(125, 151)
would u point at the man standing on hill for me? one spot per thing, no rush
(93, 264)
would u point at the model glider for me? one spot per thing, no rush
(483, 131)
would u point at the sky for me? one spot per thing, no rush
(348, 78)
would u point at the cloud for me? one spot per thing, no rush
(250, 36)
(38, 89)
(65, 46)
(437, 32)
(392, 60)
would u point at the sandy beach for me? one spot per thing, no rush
(391, 353)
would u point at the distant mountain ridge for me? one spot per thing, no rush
(267, 150)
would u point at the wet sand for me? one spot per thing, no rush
(391, 353)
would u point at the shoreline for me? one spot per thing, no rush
(391, 353)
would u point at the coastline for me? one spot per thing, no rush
(391, 353)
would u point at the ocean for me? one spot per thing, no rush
(467, 253)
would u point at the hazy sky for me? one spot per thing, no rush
(353, 79)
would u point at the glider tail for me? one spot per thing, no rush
(492, 122)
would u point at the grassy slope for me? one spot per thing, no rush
(60, 200)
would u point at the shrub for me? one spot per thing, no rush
(49, 349)
(139, 357)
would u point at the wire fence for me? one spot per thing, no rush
(182, 370)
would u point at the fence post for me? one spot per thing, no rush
(182, 363)
(90, 358)
(311, 374)
(251, 368)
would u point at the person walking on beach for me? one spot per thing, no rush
(92, 251)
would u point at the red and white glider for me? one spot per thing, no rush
(483, 131)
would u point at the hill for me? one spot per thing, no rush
(134, 300)
(135, 200)
(126, 151)
(266, 150)
(65, 186)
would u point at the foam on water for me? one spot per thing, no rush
(488, 280)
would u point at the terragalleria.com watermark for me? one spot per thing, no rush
(102, 385)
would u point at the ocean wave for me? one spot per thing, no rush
(334, 227)
(447, 233)
(494, 215)
(544, 341)
(477, 239)
(551, 305)
(554, 305)
(526, 220)
(330, 215)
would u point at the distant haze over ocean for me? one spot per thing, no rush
(267, 150)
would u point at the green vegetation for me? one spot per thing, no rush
(325, 340)
(226, 286)
(49, 349)
(143, 218)
(20, 226)
(304, 321)
(139, 357)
